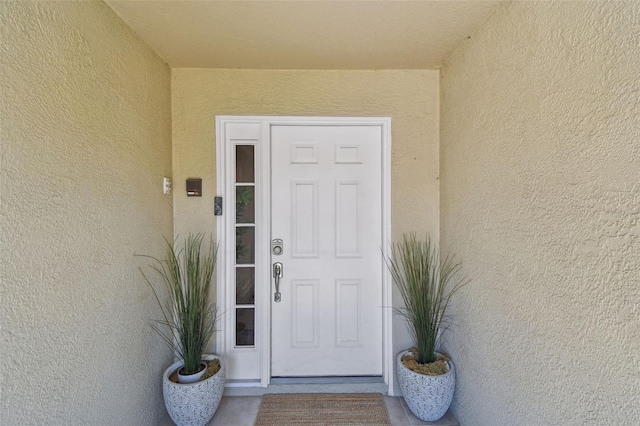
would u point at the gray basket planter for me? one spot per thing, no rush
(193, 404)
(428, 397)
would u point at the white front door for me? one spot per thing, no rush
(326, 207)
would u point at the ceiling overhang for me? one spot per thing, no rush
(303, 34)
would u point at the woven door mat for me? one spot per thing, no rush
(323, 409)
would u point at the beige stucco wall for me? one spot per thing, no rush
(410, 98)
(85, 141)
(540, 197)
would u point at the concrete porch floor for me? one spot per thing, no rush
(242, 411)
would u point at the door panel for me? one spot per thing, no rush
(326, 195)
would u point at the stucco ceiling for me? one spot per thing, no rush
(303, 34)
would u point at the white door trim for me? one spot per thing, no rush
(225, 224)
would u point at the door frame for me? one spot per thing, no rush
(225, 227)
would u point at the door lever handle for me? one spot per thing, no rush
(277, 274)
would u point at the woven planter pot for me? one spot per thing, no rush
(193, 404)
(428, 397)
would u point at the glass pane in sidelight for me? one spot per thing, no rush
(244, 164)
(245, 333)
(245, 207)
(245, 286)
(245, 245)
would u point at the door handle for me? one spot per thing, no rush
(277, 274)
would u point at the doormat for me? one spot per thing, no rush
(323, 409)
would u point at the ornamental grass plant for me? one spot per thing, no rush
(426, 283)
(189, 317)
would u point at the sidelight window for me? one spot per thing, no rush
(245, 243)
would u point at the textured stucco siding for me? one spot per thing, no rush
(410, 98)
(85, 140)
(540, 197)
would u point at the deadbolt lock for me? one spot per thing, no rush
(276, 247)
